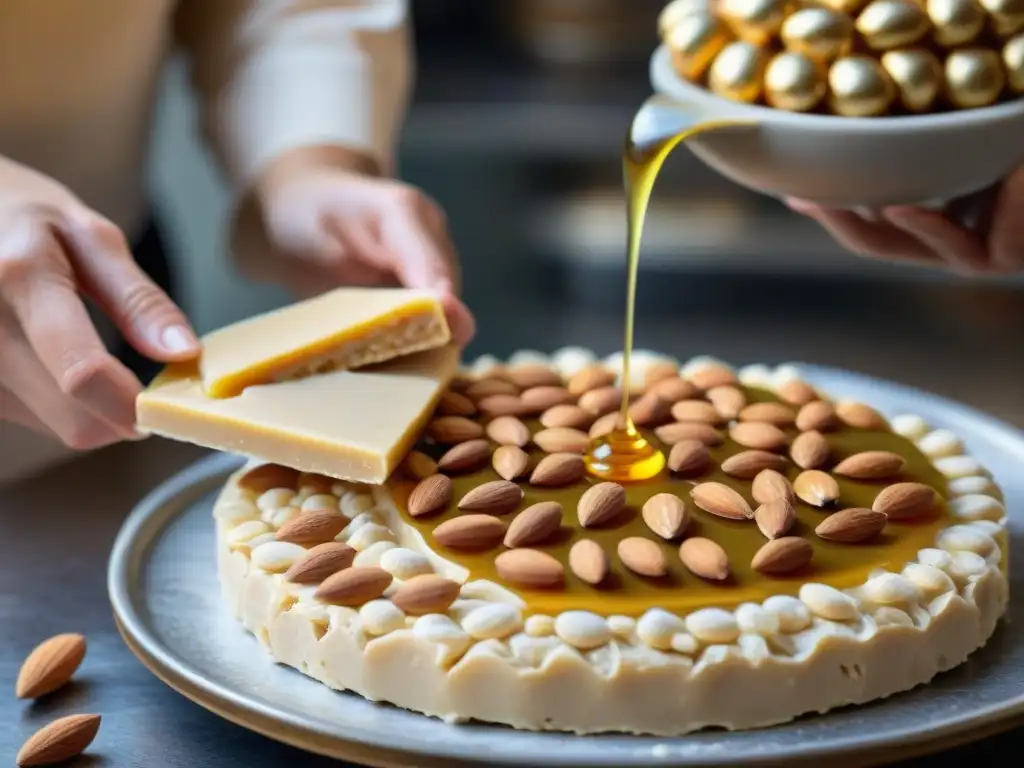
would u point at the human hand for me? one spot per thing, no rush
(325, 207)
(914, 235)
(56, 376)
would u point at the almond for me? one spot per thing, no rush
(489, 387)
(728, 400)
(465, 457)
(601, 503)
(666, 515)
(537, 399)
(562, 440)
(851, 526)
(670, 434)
(426, 593)
(696, 411)
(433, 494)
(674, 389)
(354, 586)
(770, 485)
(817, 488)
(508, 430)
(818, 415)
(711, 376)
(530, 568)
(861, 416)
(704, 558)
(719, 499)
(534, 524)
(649, 409)
(558, 469)
(321, 561)
(871, 465)
(59, 741)
(50, 665)
(601, 400)
(470, 532)
(689, 457)
(783, 555)
(315, 483)
(905, 501)
(810, 450)
(659, 372)
(455, 404)
(448, 430)
(642, 556)
(418, 465)
(747, 464)
(775, 518)
(797, 392)
(529, 376)
(759, 435)
(588, 561)
(495, 497)
(571, 416)
(268, 476)
(502, 405)
(607, 424)
(591, 377)
(311, 528)
(773, 413)
(510, 462)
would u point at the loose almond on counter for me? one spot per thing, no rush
(588, 561)
(448, 430)
(696, 411)
(666, 515)
(502, 405)
(671, 434)
(530, 568)
(495, 497)
(851, 526)
(465, 457)
(861, 416)
(571, 416)
(321, 561)
(591, 377)
(780, 556)
(759, 435)
(59, 741)
(772, 413)
(510, 462)
(529, 376)
(711, 376)
(673, 389)
(354, 586)
(534, 524)
(704, 558)
(418, 465)
(642, 556)
(719, 499)
(601, 400)
(433, 494)
(688, 457)
(311, 528)
(50, 665)
(470, 532)
(268, 476)
(871, 465)
(479, 390)
(817, 488)
(601, 503)
(728, 400)
(648, 410)
(558, 469)
(455, 404)
(819, 415)
(426, 593)
(748, 464)
(775, 518)
(905, 501)
(605, 424)
(659, 372)
(562, 440)
(539, 399)
(508, 430)
(797, 392)
(770, 485)
(810, 450)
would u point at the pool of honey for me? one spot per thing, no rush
(624, 592)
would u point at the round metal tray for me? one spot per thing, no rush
(166, 598)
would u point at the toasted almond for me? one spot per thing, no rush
(905, 501)
(59, 741)
(817, 488)
(861, 416)
(495, 497)
(711, 376)
(648, 410)
(719, 499)
(851, 526)
(704, 558)
(759, 435)
(477, 531)
(607, 424)
(50, 665)
(433, 494)
(455, 404)
(311, 528)
(689, 457)
(871, 465)
(601, 400)
(747, 464)
(818, 415)
(510, 461)
(784, 555)
(321, 561)
(465, 457)
(416, 465)
(642, 556)
(659, 371)
(592, 377)
(489, 387)
(775, 518)
(267, 476)
(530, 568)
(666, 515)
(588, 561)
(670, 434)
(508, 430)
(674, 389)
(728, 400)
(502, 405)
(697, 411)
(529, 376)
(571, 416)
(772, 413)
(770, 485)
(448, 430)
(534, 524)
(558, 469)
(810, 450)
(797, 392)
(601, 503)
(315, 483)
(426, 593)
(562, 440)
(354, 586)
(538, 399)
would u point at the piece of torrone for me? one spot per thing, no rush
(343, 329)
(353, 425)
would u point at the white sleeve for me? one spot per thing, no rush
(276, 75)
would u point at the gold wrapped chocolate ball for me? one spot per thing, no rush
(695, 41)
(820, 34)
(754, 21)
(917, 74)
(888, 24)
(957, 22)
(737, 73)
(1013, 61)
(974, 77)
(794, 82)
(859, 87)
(843, 6)
(676, 10)
(1007, 15)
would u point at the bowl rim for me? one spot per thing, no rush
(665, 80)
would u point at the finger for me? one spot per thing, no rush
(423, 258)
(359, 258)
(460, 320)
(147, 317)
(962, 250)
(1006, 236)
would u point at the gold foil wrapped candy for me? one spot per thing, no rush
(957, 22)
(794, 82)
(754, 21)
(843, 6)
(819, 33)
(695, 41)
(859, 87)
(738, 72)
(1013, 60)
(887, 24)
(974, 77)
(1007, 15)
(676, 10)
(918, 75)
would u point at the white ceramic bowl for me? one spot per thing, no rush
(847, 162)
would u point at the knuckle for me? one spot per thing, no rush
(407, 198)
(78, 377)
(106, 233)
(23, 253)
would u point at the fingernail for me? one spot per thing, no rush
(177, 339)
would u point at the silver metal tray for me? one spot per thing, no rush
(165, 595)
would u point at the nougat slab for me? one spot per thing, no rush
(342, 329)
(353, 425)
